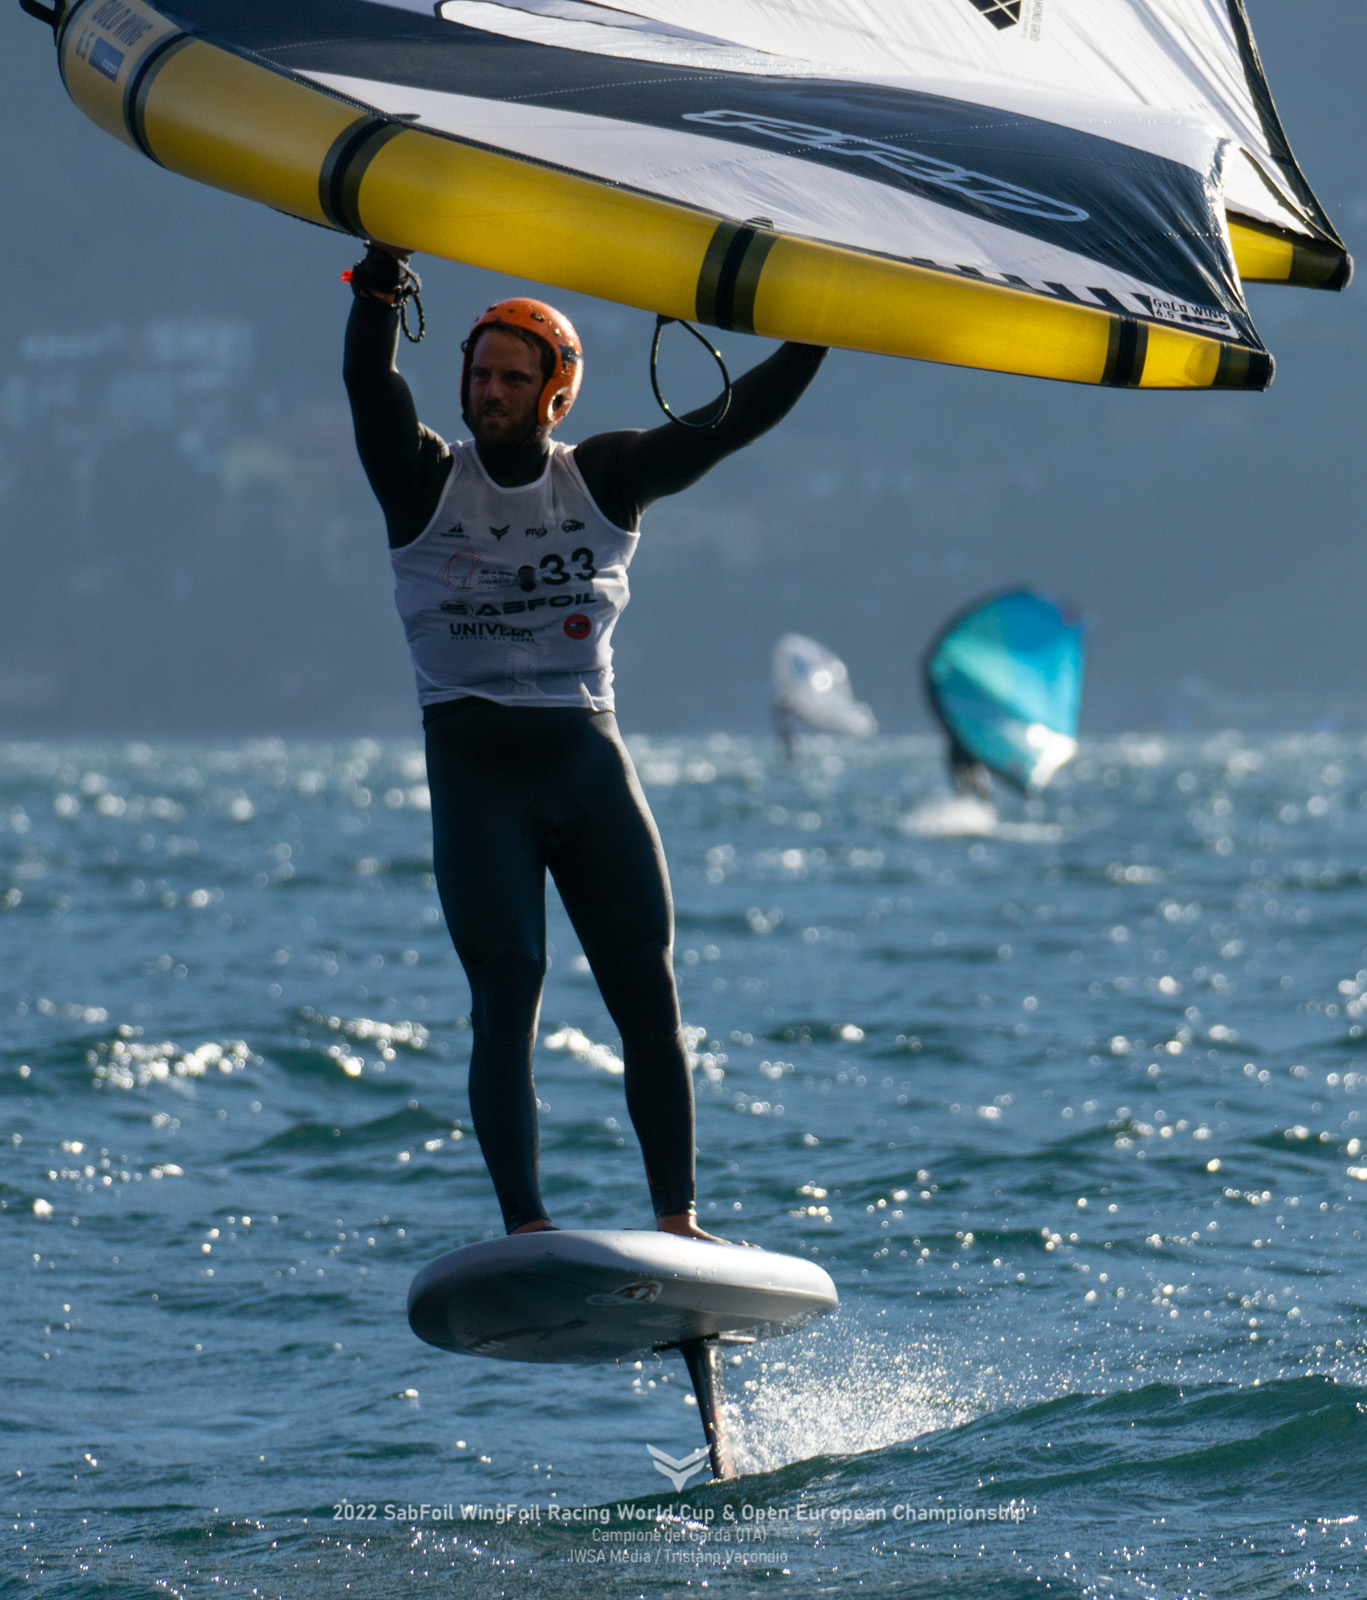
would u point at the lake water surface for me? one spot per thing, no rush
(1068, 1102)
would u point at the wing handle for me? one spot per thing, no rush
(723, 405)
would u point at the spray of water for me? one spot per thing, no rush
(841, 1390)
(965, 816)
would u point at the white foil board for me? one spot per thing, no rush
(588, 1296)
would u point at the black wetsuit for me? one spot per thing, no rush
(517, 790)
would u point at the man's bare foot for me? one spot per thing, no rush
(685, 1224)
(541, 1225)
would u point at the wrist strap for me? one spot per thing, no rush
(361, 277)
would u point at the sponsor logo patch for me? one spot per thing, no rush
(1000, 13)
(508, 608)
(578, 626)
(488, 630)
(642, 1293)
(458, 571)
(1209, 319)
(920, 166)
(121, 22)
(106, 59)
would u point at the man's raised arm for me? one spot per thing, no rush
(626, 471)
(406, 463)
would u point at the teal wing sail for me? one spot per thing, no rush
(1005, 679)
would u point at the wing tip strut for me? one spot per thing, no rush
(1243, 368)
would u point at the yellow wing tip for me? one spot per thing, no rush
(1264, 254)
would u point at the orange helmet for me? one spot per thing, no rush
(555, 331)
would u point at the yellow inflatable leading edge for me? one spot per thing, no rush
(225, 114)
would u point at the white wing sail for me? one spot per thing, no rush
(1065, 188)
(812, 686)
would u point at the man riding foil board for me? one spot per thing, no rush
(510, 553)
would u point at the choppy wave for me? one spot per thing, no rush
(1074, 1116)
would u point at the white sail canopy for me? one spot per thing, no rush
(1152, 74)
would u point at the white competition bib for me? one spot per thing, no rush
(512, 594)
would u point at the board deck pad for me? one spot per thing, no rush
(584, 1296)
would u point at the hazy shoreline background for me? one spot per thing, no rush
(188, 547)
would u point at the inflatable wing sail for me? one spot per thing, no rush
(1005, 679)
(812, 687)
(1064, 188)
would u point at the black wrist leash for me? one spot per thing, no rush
(410, 285)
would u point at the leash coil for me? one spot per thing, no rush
(408, 292)
(405, 291)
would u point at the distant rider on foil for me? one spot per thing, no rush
(510, 554)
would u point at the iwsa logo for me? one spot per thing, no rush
(679, 1470)
(578, 626)
(1000, 13)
